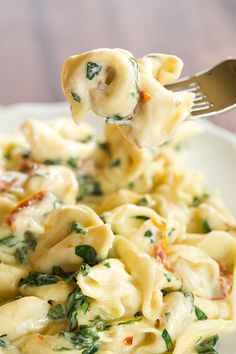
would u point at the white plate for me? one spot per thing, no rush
(213, 152)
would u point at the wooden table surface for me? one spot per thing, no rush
(37, 35)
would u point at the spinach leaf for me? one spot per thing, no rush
(104, 146)
(135, 66)
(142, 202)
(168, 277)
(75, 96)
(38, 279)
(138, 317)
(167, 338)
(21, 255)
(141, 217)
(107, 265)
(207, 346)
(78, 228)
(201, 316)
(57, 312)
(59, 271)
(115, 163)
(150, 235)
(72, 278)
(53, 162)
(62, 349)
(197, 200)
(88, 336)
(87, 253)
(88, 186)
(92, 70)
(84, 269)
(8, 241)
(73, 162)
(205, 226)
(30, 243)
(3, 342)
(76, 300)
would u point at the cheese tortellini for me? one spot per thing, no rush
(105, 247)
(111, 83)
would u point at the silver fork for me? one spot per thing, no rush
(214, 89)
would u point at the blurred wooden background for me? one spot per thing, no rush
(37, 35)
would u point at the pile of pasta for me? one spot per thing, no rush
(108, 248)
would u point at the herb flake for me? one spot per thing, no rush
(201, 316)
(78, 228)
(167, 338)
(75, 96)
(207, 346)
(38, 279)
(87, 253)
(57, 312)
(76, 300)
(8, 241)
(84, 269)
(92, 70)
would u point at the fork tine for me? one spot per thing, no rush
(199, 96)
(201, 106)
(190, 88)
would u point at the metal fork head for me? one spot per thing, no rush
(215, 89)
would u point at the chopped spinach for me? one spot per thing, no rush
(93, 69)
(167, 338)
(87, 139)
(78, 228)
(38, 279)
(3, 342)
(143, 202)
(76, 300)
(86, 339)
(88, 336)
(141, 217)
(199, 200)
(102, 217)
(84, 269)
(115, 117)
(21, 255)
(188, 294)
(135, 66)
(62, 349)
(73, 162)
(88, 186)
(75, 96)
(201, 316)
(150, 235)
(168, 277)
(138, 317)
(59, 271)
(72, 278)
(107, 265)
(104, 146)
(57, 312)
(87, 253)
(53, 162)
(205, 226)
(30, 243)
(207, 346)
(115, 163)
(8, 241)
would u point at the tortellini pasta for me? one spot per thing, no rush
(113, 84)
(107, 248)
